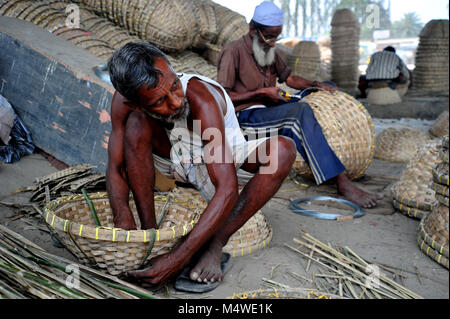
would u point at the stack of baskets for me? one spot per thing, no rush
(191, 62)
(432, 64)
(399, 145)
(348, 128)
(324, 44)
(412, 194)
(440, 126)
(116, 250)
(54, 20)
(345, 31)
(433, 237)
(305, 60)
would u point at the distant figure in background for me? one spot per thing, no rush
(386, 69)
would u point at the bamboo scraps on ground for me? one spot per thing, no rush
(352, 274)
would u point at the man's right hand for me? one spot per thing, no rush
(273, 93)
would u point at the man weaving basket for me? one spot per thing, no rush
(185, 126)
(248, 69)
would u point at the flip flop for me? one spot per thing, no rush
(185, 283)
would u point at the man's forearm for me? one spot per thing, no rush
(299, 83)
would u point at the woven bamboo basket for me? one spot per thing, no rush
(413, 190)
(399, 144)
(440, 126)
(230, 25)
(305, 60)
(205, 15)
(117, 250)
(348, 128)
(254, 235)
(383, 96)
(445, 142)
(433, 237)
(284, 293)
(190, 62)
(409, 211)
(440, 189)
(440, 174)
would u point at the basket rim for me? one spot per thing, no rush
(430, 241)
(107, 233)
(410, 211)
(431, 252)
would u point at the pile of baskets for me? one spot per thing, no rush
(305, 60)
(432, 64)
(73, 220)
(348, 128)
(433, 237)
(324, 44)
(399, 144)
(413, 194)
(345, 30)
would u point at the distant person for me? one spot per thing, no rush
(386, 69)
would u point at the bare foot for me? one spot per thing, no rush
(355, 194)
(208, 267)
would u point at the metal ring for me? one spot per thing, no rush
(358, 211)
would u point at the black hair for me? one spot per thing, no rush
(389, 48)
(132, 66)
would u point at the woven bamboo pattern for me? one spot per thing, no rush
(433, 237)
(442, 199)
(440, 126)
(345, 31)
(348, 128)
(413, 190)
(113, 249)
(230, 25)
(399, 145)
(432, 64)
(383, 96)
(190, 62)
(205, 15)
(52, 17)
(440, 174)
(254, 235)
(445, 142)
(409, 211)
(440, 189)
(443, 155)
(171, 25)
(305, 60)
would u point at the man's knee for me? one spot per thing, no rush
(287, 150)
(282, 156)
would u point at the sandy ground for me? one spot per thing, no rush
(382, 235)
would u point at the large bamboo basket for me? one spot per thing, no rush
(231, 25)
(348, 128)
(169, 24)
(440, 127)
(399, 144)
(433, 235)
(305, 60)
(413, 191)
(116, 250)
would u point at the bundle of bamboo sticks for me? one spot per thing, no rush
(347, 274)
(29, 272)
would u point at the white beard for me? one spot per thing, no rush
(262, 57)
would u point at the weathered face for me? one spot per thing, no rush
(267, 37)
(166, 100)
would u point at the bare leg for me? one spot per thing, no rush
(252, 198)
(355, 194)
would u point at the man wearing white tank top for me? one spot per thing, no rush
(186, 127)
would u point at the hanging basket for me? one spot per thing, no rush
(348, 128)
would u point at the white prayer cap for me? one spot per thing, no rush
(267, 13)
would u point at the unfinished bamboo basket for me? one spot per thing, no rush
(433, 237)
(399, 144)
(412, 193)
(116, 250)
(440, 127)
(348, 128)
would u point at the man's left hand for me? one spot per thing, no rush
(325, 86)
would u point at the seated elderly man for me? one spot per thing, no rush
(248, 70)
(186, 127)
